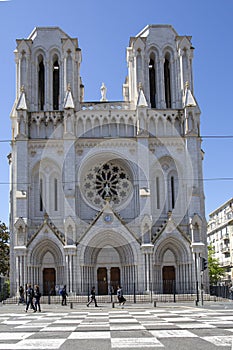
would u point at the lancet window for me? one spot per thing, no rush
(41, 83)
(56, 77)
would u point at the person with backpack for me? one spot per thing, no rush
(37, 295)
(30, 296)
(64, 295)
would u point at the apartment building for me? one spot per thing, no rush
(220, 233)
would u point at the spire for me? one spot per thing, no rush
(189, 100)
(68, 101)
(22, 105)
(141, 98)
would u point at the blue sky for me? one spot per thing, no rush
(103, 29)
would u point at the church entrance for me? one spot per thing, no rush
(105, 286)
(49, 281)
(169, 278)
(102, 280)
(114, 278)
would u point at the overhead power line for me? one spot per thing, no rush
(79, 182)
(112, 137)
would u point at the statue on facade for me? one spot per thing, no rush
(103, 91)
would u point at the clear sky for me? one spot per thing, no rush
(103, 29)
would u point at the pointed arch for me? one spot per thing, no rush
(96, 129)
(169, 126)
(69, 68)
(167, 80)
(172, 182)
(41, 83)
(152, 127)
(46, 194)
(139, 67)
(152, 80)
(56, 82)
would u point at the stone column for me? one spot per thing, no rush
(20, 253)
(70, 252)
(197, 250)
(147, 250)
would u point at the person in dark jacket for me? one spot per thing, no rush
(64, 295)
(93, 298)
(37, 295)
(21, 295)
(30, 296)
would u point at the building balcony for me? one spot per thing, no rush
(226, 237)
(225, 250)
(226, 263)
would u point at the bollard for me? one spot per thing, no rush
(71, 305)
(154, 303)
(113, 305)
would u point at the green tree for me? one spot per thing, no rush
(216, 272)
(4, 250)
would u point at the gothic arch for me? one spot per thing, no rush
(46, 194)
(152, 126)
(90, 246)
(176, 245)
(41, 246)
(56, 81)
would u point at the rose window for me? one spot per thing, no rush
(107, 181)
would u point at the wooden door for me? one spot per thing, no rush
(49, 281)
(169, 277)
(115, 279)
(102, 280)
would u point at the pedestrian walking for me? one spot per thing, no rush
(37, 295)
(231, 292)
(30, 296)
(93, 298)
(120, 296)
(64, 295)
(21, 295)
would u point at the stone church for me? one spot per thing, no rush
(106, 192)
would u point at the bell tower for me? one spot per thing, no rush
(160, 61)
(47, 63)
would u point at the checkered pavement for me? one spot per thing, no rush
(185, 328)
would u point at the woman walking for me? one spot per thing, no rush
(120, 296)
(37, 295)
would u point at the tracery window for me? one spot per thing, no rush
(107, 180)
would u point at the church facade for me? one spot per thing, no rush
(109, 192)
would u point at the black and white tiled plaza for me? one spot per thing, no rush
(180, 327)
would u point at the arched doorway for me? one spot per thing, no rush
(115, 278)
(105, 286)
(102, 280)
(49, 281)
(169, 278)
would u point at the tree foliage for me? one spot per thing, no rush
(216, 272)
(4, 250)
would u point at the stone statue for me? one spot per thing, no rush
(103, 90)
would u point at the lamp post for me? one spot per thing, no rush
(197, 249)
